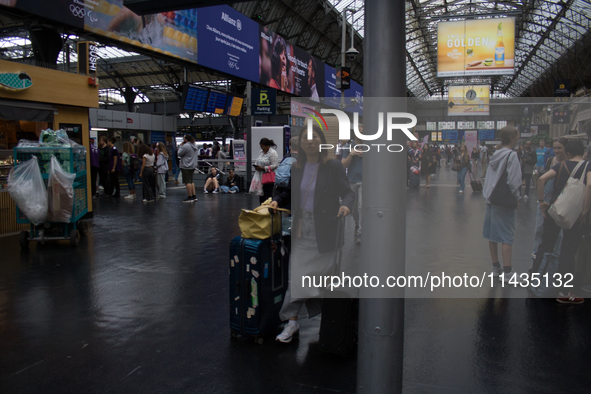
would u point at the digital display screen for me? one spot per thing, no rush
(486, 135)
(234, 105)
(195, 99)
(450, 135)
(216, 104)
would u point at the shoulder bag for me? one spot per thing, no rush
(568, 207)
(501, 194)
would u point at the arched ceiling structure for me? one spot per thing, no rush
(553, 41)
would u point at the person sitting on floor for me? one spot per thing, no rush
(231, 184)
(212, 183)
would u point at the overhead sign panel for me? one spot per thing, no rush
(264, 102)
(468, 100)
(228, 42)
(234, 105)
(194, 98)
(216, 103)
(286, 67)
(216, 37)
(476, 47)
(171, 33)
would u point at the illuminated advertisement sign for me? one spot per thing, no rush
(285, 67)
(219, 38)
(228, 42)
(476, 47)
(171, 33)
(468, 100)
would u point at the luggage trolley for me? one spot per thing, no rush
(72, 160)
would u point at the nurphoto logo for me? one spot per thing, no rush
(345, 128)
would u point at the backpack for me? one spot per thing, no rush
(134, 162)
(283, 172)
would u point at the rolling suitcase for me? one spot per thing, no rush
(476, 184)
(258, 281)
(340, 316)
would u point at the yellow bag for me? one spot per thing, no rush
(256, 224)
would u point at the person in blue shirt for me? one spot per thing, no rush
(541, 154)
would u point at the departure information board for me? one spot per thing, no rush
(195, 98)
(234, 105)
(216, 103)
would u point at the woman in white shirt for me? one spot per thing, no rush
(147, 172)
(267, 162)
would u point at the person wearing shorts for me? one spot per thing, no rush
(499, 221)
(187, 154)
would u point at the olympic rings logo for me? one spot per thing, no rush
(77, 11)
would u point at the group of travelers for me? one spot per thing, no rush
(138, 161)
(514, 168)
(424, 159)
(507, 171)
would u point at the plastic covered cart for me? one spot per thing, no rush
(73, 160)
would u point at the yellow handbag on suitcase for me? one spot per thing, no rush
(260, 223)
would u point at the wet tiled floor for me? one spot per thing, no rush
(141, 305)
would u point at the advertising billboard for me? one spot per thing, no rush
(218, 37)
(68, 12)
(286, 67)
(476, 47)
(468, 100)
(171, 33)
(228, 42)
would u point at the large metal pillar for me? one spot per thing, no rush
(381, 320)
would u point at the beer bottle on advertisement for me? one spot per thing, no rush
(500, 47)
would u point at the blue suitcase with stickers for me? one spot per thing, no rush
(258, 281)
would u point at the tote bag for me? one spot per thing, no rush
(501, 194)
(568, 207)
(260, 223)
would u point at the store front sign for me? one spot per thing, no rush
(92, 57)
(15, 81)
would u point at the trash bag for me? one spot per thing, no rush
(256, 185)
(27, 189)
(57, 138)
(60, 191)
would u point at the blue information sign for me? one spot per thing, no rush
(228, 42)
(216, 104)
(195, 98)
(263, 101)
(450, 135)
(486, 135)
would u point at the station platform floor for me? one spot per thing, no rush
(141, 306)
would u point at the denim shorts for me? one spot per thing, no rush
(499, 224)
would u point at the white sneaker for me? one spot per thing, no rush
(215, 191)
(287, 334)
(232, 191)
(525, 197)
(205, 191)
(130, 197)
(461, 192)
(496, 271)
